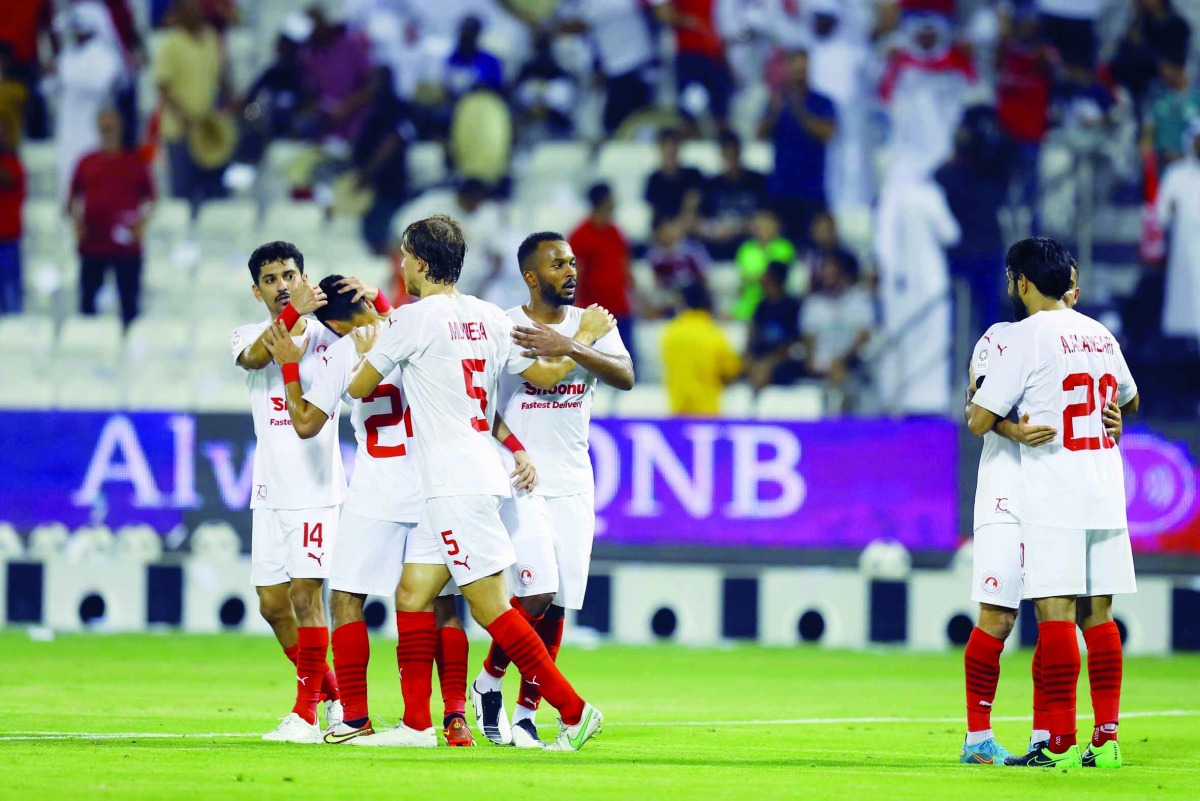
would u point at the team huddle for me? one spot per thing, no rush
(460, 486)
(1047, 394)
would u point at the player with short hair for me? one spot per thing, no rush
(453, 348)
(552, 530)
(382, 507)
(298, 487)
(996, 574)
(1061, 367)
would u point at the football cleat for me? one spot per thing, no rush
(572, 738)
(989, 752)
(457, 733)
(1043, 757)
(399, 737)
(294, 729)
(490, 716)
(333, 714)
(344, 732)
(525, 735)
(1106, 756)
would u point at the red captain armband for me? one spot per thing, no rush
(513, 444)
(291, 372)
(289, 316)
(381, 303)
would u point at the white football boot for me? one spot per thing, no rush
(295, 729)
(400, 737)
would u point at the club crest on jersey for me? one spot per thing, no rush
(526, 575)
(321, 347)
(991, 584)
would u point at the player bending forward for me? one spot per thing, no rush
(1061, 367)
(551, 530)
(298, 486)
(453, 348)
(996, 578)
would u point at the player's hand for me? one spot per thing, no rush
(971, 392)
(307, 298)
(1032, 435)
(525, 476)
(1112, 420)
(359, 288)
(595, 323)
(278, 342)
(364, 338)
(542, 341)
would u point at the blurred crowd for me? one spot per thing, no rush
(925, 117)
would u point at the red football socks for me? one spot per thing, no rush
(497, 661)
(310, 670)
(550, 632)
(452, 650)
(416, 648)
(1104, 664)
(981, 661)
(1040, 715)
(351, 653)
(517, 638)
(1060, 675)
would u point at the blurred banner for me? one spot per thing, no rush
(720, 483)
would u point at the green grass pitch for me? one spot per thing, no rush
(680, 724)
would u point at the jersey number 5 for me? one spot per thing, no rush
(470, 367)
(1108, 391)
(386, 420)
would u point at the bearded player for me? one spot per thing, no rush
(996, 576)
(453, 348)
(298, 487)
(552, 529)
(1061, 367)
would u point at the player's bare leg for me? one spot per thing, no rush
(1104, 666)
(1060, 676)
(299, 626)
(451, 658)
(981, 664)
(486, 693)
(351, 654)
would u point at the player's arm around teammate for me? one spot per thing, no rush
(295, 298)
(544, 342)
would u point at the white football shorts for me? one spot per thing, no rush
(1076, 561)
(465, 533)
(996, 573)
(527, 518)
(370, 555)
(291, 543)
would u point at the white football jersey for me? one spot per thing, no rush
(386, 483)
(998, 488)
(1062, 368)
(552, 424)
(453, 349)
(289, 472)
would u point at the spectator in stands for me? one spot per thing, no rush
(673, 190)
(276, 98)
(12, 196)
(13, 95)
(1070, 27)
(698, 361)
(89, 69)
(1023, 95)
(123, 29)
(823, 240)
(773, 353)
(1179, 210)
(838, 320)
(730, 200)
(676, 261)
(339, 75)
(380, 159)
(188, 72)
(1155, 29)
(801, 123)
(112, 195)
(702, 76)
(766, 245)
(470, 68)
(602, 259)
(1172, 110)
(975, 183)
(1081, 104)
(625, 52)
(22, 25)
(545, 95)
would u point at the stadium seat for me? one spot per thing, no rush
(737, 401)
(28, 337)
(556, 161)
(46, 222)
(642, 401)
(759, 156)
(40, 160)
(47, 540)
(692, 595)
(23, 388)
(737, 333)
(171, 220)
(92, 340)
(821, 605)
(1148, 630)
(647, 340)
(300, 223)
(634, 218)
(426, 164)
(801, 402)
(162, 386)
(220, 392)
(704, 155)
(138, 543)
(11, 547)
(885, 559)
(89, 542)
(152, 338)
(213, 589)
(228, 225)
(81, 387)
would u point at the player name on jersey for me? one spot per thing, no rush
(473, 330)
(1083, 343)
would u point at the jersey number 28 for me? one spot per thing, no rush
(1108, 391)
